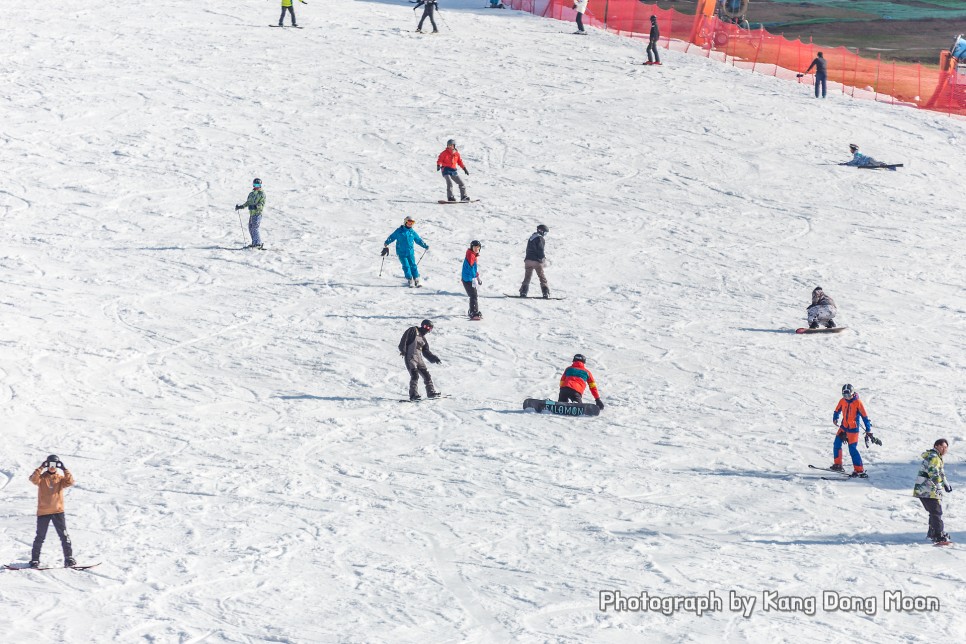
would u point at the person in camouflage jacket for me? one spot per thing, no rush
(255, 204)
(930, 484)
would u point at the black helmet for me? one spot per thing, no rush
(653, 18)
(53, 458)
(817, 289)
(848, 391)
(451, 142)
(853, 147)
(426, 325)
(580, 358)
(476, 242)
(543, 229)
(256, 183)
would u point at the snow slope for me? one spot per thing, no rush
(244, 471)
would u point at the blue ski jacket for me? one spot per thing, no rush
(471, 269)
(404, 238)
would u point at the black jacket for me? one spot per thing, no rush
(535, 247)
(820, 65)
(655, 34)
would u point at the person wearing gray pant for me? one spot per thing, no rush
(413, 347)
(534, 262)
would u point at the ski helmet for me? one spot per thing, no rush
(817, 289)
(848, 391)
(408, 220)
(543, 229)
(853, 147)
(451, 142)
(653, 18)
(476, 243)
(256, 183)
(580, 358)
(52, 459)
(426, 325)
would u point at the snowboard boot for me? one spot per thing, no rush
(412, 283)
(435, 31)
(69, 562)
(434, 394)
(837, 468)
(419, 31)
(464, 198)
(813, 325)
(943, 538)
(858, 475)
(523, 292)
(546, 293)
(450, 198)
(476, 316)
(35, 564)
(830, 324)
(415, 397)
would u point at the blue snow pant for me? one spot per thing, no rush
(820, 81)
(291, 11)
(409, 266)
(254, 221)
(853, 448)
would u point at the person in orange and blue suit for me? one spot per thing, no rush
(575, 379)
(851, 409)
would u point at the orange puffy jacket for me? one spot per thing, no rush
(578, 378)
(447, 159)
(50, 490)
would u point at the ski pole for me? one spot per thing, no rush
(244, 236)
(421, 257)
(381, 265)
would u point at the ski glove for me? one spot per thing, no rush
(600, 403)
(61, 466)
(438, 168)
(869, 438)
(466, 172)
(947, 487)
(385, 251)
(239, 207)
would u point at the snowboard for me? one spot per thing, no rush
(447, 201)
(560, 409)
(517, 297)
(27, 567)
(834, 329)
(423, 399)
(942, 543)
(283, 26)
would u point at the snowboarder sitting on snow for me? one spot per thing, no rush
(821, 310)
(534, 262)
(50, 507)
(405, 236)
(413, 346)
(574, 380)
(851, 409)
(859, 160)
(447, 162)
(287, 6)
(471, 278)
(255, 204)
(930, 484)
(430, 7)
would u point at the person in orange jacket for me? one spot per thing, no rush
(447, 162)
(575, 379)
(851, 409)
(50, 507)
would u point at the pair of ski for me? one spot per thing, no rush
(844, 475)
(27, 567)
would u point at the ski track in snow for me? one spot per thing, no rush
(244, 470)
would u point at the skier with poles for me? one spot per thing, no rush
(471, 278)
(821, 310)
(930, 484)
(448, 161)
(575, 379)
(429, 7)
(50, 507)
(405, 237)
(851, 410)
(413, 347)
(255, 204)
(534, 261)
(287, 6)
(652, 39)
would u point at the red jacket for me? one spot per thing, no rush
(577, 377)
(449, 159)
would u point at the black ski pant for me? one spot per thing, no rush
(935, 509)
(428, 13)
(569, 395)
(820, 82)
(291, 11)
(60, 524)
(415, 371)
(580, 21)
(652, 49)
(473, 292)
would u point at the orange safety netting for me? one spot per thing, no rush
(942, 89)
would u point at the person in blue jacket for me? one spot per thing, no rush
(471, 278)
(860, 160)
(405, 236)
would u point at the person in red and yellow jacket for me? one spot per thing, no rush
(851, 409)
(575, 379)
(447, 162)
(50, 507)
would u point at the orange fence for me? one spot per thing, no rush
(941, 89)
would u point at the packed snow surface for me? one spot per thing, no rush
(244, 470)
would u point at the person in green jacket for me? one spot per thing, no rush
(287, 5)
(255, 204)
(930, 485)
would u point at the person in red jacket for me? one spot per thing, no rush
(50, 507)
(575, 379)
(447, 162)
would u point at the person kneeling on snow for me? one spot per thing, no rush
(574, 380)
(821, 310)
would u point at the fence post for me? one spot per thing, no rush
(855, 71)
(878, 63)
(606, 8)
(918, 83)
(892, 94)
(761, 43)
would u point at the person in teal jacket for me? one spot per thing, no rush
(287, 6)
(471, 278)
(255, 204)
(405, 237)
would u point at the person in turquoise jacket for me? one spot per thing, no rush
(287, 6)
(405, 237)
(471, 278)
(255, 204)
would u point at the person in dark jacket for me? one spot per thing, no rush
(471, 278)
(429, 6)
(413, 347)
(821, 73)
(652, 41)
(534, 262)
